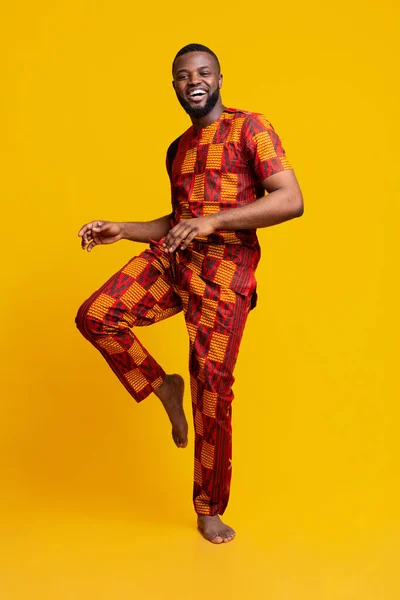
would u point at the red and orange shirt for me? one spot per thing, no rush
(216, 168)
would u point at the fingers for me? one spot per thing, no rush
(95, 240)
(91, 245)
(86, 238)
(87, 233)
(188, 239)
(177, 234)
(83, 229)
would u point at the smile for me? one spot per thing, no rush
(198, 93)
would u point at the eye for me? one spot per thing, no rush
(205, 73)
(182, 76)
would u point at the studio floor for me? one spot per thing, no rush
(63, 553)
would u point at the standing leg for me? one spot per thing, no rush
(215, 319)
(140, 294)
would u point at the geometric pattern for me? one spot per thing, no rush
(229, 187)
(217, 168)
(218, 345)
(224, 273)
(207, 455)
(198, 189)
(190, 161)
(210, 403)
(212, 282)
(146, 290)
(214, 156)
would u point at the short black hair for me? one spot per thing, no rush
(196, 48)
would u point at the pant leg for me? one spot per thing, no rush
(215, 319)
(140, 294)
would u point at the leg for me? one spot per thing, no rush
(215, 320)
(141, 293)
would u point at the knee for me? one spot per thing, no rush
(83, 321)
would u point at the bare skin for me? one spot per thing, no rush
(214, 530)
(170, 393)
(196, 79)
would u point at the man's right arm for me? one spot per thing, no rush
(108, 232)
(141, 232)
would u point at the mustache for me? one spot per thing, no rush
(200, 111)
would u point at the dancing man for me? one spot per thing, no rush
(201, 259)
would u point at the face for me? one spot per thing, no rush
(197, 82)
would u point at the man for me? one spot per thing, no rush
(201, 260)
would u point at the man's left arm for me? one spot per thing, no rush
(283, 202)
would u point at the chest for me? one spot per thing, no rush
(220, 150)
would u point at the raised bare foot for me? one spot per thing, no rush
(214, 530)
(170, 393)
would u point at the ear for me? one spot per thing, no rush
(173, 84)
(220, 80)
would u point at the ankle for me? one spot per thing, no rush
(160, 391)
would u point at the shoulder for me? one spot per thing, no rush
(252, 122)
(248, 115)
(171, 153)
(173, 145)
(257, 122)
(185, 136)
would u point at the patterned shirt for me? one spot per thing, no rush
(216, 168)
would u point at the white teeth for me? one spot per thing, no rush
(197, 93)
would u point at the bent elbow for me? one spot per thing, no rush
(300, 210)
(297, 206)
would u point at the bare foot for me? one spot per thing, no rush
(214, 530)
(170, 393)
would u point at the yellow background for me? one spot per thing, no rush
(95, 499)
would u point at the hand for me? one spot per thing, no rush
(185, 231)
(100, 232)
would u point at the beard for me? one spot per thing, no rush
(200, 111)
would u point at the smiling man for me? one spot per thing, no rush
(201, 260)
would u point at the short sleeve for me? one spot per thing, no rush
(263, 147)
(168, 166)
(171, 153)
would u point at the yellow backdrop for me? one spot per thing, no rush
(95, 498)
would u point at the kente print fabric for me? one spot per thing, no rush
(217, 168)
(212, 282)
(144, 291)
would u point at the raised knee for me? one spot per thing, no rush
(82, 320)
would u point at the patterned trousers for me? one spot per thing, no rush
(154, 286)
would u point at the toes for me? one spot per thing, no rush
(214, 538)
(229, 535)
(180, 442)
(183, 442)
(217, 535)
(217, 539)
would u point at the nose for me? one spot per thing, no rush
(194, 79)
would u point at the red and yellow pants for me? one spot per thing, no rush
(152, 287)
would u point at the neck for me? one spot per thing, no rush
(212, 116)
